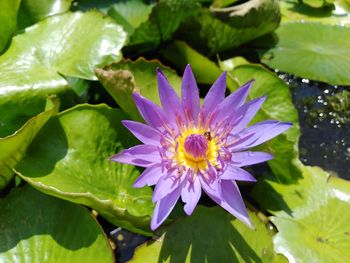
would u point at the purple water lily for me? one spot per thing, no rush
(188, 148)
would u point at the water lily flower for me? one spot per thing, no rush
(188, 148)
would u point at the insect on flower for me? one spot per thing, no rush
(188, 148)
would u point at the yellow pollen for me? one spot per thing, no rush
(199, 163)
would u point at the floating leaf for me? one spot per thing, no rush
(13, 147)
(218, 30)
(295, 12)
(121, 79)
(130, 14)
(69, 159)
(32, 68)
(38, 228)
(310, 216)
(210, 235)
(313, 51)
(163, 21)
(32, 11)
(8, 15)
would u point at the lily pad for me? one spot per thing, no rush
(305, 50)
(310, 216)
(69, 159)
(8, 16)
(165, 18)
(32, 11)
(121, 79)
(222, 29)
(39, 228)
(13, 147)
(210, 235)
(72, 44)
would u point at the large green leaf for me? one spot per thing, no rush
(311, 50)
(296, 12)
(13, 147)
(38, 228)
(278, 106)
(210, 235)
(69, 159)
(162, 23)
(311, 216)
(8, 15)
(121, 79)
(130, 14)
(219, 30)
(32, 68)
(32, 11)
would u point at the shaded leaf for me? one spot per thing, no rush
(69, 159)
(218, 30)
(210, 235)
(13, 147)
(38, 228)
(32, 11)
(313, 51)
(8, 15)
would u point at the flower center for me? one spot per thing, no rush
(196, 147)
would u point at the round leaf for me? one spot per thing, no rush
(8, 14)
(210, 235)
(313, 51)
(38, 228)
(69, 159)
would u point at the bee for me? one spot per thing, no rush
(207, 135)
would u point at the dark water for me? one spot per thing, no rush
(324, 115)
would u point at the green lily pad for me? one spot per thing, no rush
(121, 79)
(131, 14)
(39, 228)
(8, 16)
(13, 147)
(210, 235)
(32, 11)
(69, 159)
(310, 216)
(313, 51)
(222, 29)
(278, 106)
(72, 44)
(295, 12)
(165, 18)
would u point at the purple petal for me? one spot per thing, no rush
(190, 195)
(164, 207)
(215, 95)
(212, 189)
(190, 94)
(150, 176)
(235, 173)
(232, 201)
(233, 102)
(140, 155)
(143, 132)
(248, 158)
(170, 101)
(257, 134)
(166, 185)
(150, 112)
(246, 113)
